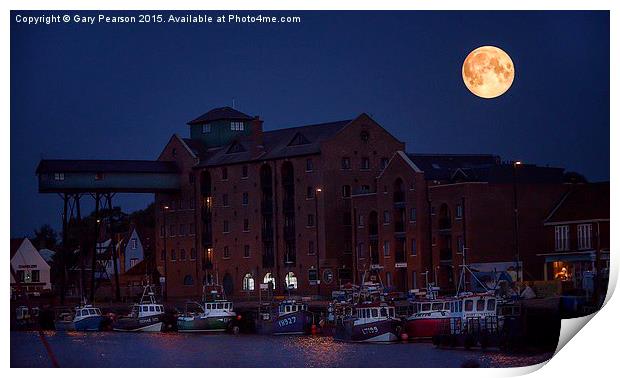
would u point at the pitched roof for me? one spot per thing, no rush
(443, 166)
(15, 244)
(218, 114)
(582, 202)
(277, 144)
(117, 166)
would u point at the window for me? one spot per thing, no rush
(192, 178)
(206, 128)
(162, 231)
(174, 152)
(414, 247)
(99, 176)
(192, 254)
(182, 255)
(360, 220)
(173, 255)
(226, 253)
(459, 245)
(459, 211)
(182, 229)
(480, 305)
(224, 200)
(163, 255)
(172, 229)
(291, 281)
(432, 210)
(388, 279)
(246, 251)
(384, 162)
(192, 229)
(365, 189)
(360, 250)
(345, 163)
(386, 217)
(364, 136)
(246, 199)
(35, 276)
(414, 280)
(224, 173)
(226, 228)
(188, 280)
(309, 165)
(386, 248)
(313, 275)
(244, 171)
(561, 238)
(134, 243)
(584, 236)
(469, 305)
(246, 225)
(248, 282)
(309, 192)
(269, 280)
(346, 191)
(413, 214)
(491, 304)
(310, 220)
(192, 203)
(237, 126)
(311, 248)
(365, 163)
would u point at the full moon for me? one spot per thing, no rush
(488, 72)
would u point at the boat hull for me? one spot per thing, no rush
(92, 323)
(144, 324)
(381, 331)
(423, 328)
(204, 324)
(294, 323)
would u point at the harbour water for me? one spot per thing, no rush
(111, 349)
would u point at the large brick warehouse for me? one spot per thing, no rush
(312, 207)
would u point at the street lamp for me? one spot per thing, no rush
(316, 211)
(165, 255)
(515, 166)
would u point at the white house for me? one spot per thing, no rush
(30, 268)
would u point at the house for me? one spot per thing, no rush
(29, 270)
(578, 237)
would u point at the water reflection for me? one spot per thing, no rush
(110, 349)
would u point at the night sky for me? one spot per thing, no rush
(120, 91)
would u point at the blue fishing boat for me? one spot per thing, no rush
(85, 318)
(288, 318)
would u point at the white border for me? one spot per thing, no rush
(594, 349)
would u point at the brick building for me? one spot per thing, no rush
(311, 207)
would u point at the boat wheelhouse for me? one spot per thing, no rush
(370, 322)
(217, 315)
(146, 316)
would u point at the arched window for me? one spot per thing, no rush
(270, 280)
(248, 282)
(188, 280)
(291, 280)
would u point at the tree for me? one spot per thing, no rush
(45, 237)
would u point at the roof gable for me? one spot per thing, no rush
(217, 114)
(582, 202)
(298, 140)
(27, 254)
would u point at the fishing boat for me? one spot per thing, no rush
(288, 318)
(428, 315)
(145, 316)
(372, 322)
(84, 318)
(216, 315)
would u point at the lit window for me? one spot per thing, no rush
(291, 281)
(248, 282)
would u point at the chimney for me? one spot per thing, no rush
(257, 136)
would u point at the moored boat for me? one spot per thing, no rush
(289, 318)
(145, 316)
(372, 322)
(216, 315)
(84, 318)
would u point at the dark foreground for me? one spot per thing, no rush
(193, 350)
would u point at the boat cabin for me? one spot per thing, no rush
(218, 306)
(86, 312)
(290, 307)
(375, 312)
(475, 306)
(142, 310)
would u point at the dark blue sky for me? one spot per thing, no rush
(120, 91)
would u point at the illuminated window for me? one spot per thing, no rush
(561, 238)
(269, 280)
(584, 236)
(248, 282)
(291, 281)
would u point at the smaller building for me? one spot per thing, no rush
(30, 269)
(577, 232)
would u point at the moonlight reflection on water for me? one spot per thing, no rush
(112, 349)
